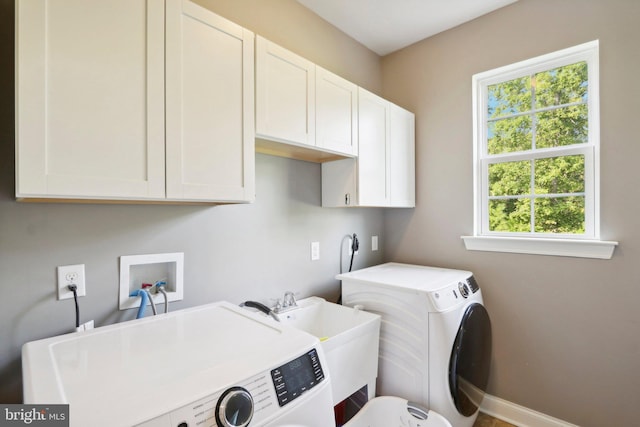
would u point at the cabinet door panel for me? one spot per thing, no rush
(373, 129)
(210, 121)
(336, 113)
(402, 178)
(285, 95)
(90, 105)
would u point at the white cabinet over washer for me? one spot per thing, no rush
(90, 102)
(383, 174)
(210, 116)
(402, 158)
(90, 99)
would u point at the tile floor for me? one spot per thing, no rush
(485, 420)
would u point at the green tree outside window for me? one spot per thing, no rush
(534, 114)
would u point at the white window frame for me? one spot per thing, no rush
(584, 245)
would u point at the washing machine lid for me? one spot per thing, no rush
(409, 276)
(110, 375)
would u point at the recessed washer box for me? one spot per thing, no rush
(138, 269)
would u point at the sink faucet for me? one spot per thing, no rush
(286, 304)
(289, 300)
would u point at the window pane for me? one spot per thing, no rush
(559, 175)
(510, 178)
(563, 126)
(512, 215)
(564, 85)
(509, 98)
(559, 215)
(509, 135)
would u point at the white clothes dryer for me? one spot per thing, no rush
(214, 365)
(435, 335)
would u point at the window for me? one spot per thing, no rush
(536, 154)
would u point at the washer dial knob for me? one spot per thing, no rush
(234, 408)
(464, 289)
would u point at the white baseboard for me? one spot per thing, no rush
(518, 415)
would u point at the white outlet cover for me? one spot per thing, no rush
(71, 274)
(315, 251)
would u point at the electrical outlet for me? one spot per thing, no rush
(374, 243)
(70, 275)
(315, 251)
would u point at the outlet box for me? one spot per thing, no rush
(374, 243)
(71, 275)
(138, 269)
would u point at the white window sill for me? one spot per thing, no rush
(526, 245)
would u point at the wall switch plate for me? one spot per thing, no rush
(374, 243)
(315, 251)
(71, 275)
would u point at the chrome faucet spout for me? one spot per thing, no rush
(289, 300)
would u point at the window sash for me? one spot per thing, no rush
(589, 190)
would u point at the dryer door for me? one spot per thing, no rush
(470, 360)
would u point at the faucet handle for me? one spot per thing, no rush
(277, 304)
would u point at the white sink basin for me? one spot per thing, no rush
(349, 338)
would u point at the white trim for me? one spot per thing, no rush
(540, 63)
(532, 245)
(519, 415)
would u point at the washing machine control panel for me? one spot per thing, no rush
(294, 378)
(454, 294)
(473, 284)
(252, 401)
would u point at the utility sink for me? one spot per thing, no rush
(349, 339)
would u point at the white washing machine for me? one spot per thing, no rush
(212, 365)
(435, 335)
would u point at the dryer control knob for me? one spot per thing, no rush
(464, 289)
(234, 408)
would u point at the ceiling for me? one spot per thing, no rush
(385, 26)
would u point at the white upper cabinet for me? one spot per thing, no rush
(373, 164)
(310, 111)
(285, 95)
(402, 158)
(210, 115)
(90, 99)
(383, 174)
(96, 121)
(336, 113)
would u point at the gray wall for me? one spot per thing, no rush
(233, 253)
(566, 340)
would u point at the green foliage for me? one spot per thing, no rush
(541, 111)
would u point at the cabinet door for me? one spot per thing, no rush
(90, 99)
(210, 118)
(402, 167)
(373, 168)
(340, 183)
(285, 95)
(336, 113)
